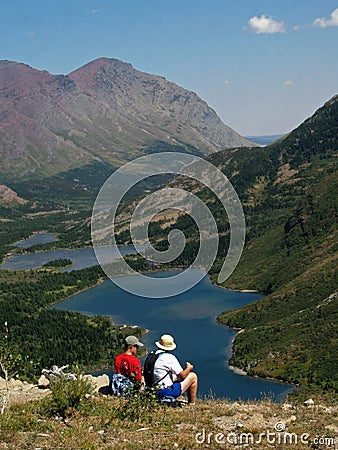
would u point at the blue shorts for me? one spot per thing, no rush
(172, 391)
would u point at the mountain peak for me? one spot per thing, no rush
(150, 100)
(97, 69)
(16, 69)
(104, 110)
(103, 62)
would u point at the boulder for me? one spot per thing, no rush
(15, 384)
(98, 382)
(43, 382)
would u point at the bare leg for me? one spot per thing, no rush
(190, 384)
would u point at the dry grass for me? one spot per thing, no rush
(96, 426)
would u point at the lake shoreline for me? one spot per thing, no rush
(244, 291)
(239, 371)
(100, 281)
(225, 361)
(153, 270)
(234, 369)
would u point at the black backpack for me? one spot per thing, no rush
(148, 368)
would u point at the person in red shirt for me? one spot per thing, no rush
(127, 363)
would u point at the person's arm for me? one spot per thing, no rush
(182, 375)
(137, 369)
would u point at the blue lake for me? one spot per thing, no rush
(191, 318)
(39, 238)
(81, 258)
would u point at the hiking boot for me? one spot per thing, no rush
(181, 399)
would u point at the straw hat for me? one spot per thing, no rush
(166, 342)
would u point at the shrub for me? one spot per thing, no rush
(67, 395)
(137, 405)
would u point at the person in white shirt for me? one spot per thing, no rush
(170, 379)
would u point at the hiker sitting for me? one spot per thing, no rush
(169, 378)
(127, 363)
(127, 368)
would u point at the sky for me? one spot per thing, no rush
(263, 65)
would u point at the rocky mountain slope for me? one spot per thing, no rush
(8, 196)
(105, 111)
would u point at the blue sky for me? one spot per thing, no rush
(263, 65)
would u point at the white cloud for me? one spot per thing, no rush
(96, 11)
(331, 22)
(265, 24)
(288, 83)
(229, 81)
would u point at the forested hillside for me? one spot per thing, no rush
(44, 336)
(292, 333)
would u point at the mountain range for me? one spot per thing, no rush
(105, 111)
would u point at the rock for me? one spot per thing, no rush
(98, 382)
(309, 403)
(257, 419)
(287, 406)
(43, 382)
(290, 419)
(26, 387)
(326, 409)
(332, 428)
(15, 384)
(225, 423)
(101, 381)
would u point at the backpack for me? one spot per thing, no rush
(148, 368)
(119, 385)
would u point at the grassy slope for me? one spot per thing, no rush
(292, 333)
(98, 426)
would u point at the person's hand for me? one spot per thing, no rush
(189, 366)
